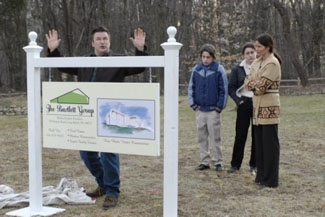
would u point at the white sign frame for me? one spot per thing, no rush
(170, 63)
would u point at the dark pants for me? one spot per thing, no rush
(243, 121)
(267, 155)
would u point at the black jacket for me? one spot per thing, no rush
(236, 80)
(101, 74)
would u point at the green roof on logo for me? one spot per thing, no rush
(75, 96)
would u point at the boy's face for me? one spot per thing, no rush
(207, 59)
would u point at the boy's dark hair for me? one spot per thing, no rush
(100, 29)
(210, 49)
(248, 44)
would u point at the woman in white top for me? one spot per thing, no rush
(243, 100)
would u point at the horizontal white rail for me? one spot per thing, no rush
(117, 61)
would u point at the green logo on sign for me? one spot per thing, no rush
(75, 96)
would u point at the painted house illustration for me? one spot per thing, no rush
(75, 96)
(117, 118)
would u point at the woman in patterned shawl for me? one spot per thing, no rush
(264, 81)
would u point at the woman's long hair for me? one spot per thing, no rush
(267, 41)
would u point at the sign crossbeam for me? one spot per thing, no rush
(84, 62)
(169, 62)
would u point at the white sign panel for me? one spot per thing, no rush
(106, 117)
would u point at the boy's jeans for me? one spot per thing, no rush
(105, 168)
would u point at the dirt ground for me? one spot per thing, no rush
(200, 194)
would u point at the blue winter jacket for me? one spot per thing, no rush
(208, 87)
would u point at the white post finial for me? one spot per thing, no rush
(171, 31)
(32, 37)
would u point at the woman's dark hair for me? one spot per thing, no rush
(267, 41)
(248, 44)
(210, 49)
(100, 29)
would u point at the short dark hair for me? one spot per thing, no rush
(100, 29)
(248, 44)
(210, 49)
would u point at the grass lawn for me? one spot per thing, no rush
(201, 194)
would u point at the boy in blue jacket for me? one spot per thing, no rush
(207, 96)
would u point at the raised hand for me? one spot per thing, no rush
(139, 39)
(53, 40)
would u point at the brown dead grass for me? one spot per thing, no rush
(201, 194)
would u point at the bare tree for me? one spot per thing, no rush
(310, 36)
(12, 23)
(296, 25)
(284, 13)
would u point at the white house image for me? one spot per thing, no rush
(117, 118)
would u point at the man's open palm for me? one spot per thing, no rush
(53, 40)
(139, 39)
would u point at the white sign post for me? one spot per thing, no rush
(36, 207)
(171, 48)
(170, 63)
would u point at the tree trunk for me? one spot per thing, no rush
(317, 32)
(286, 26)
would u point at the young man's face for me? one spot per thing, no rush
(207, 59)
(101, 43)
